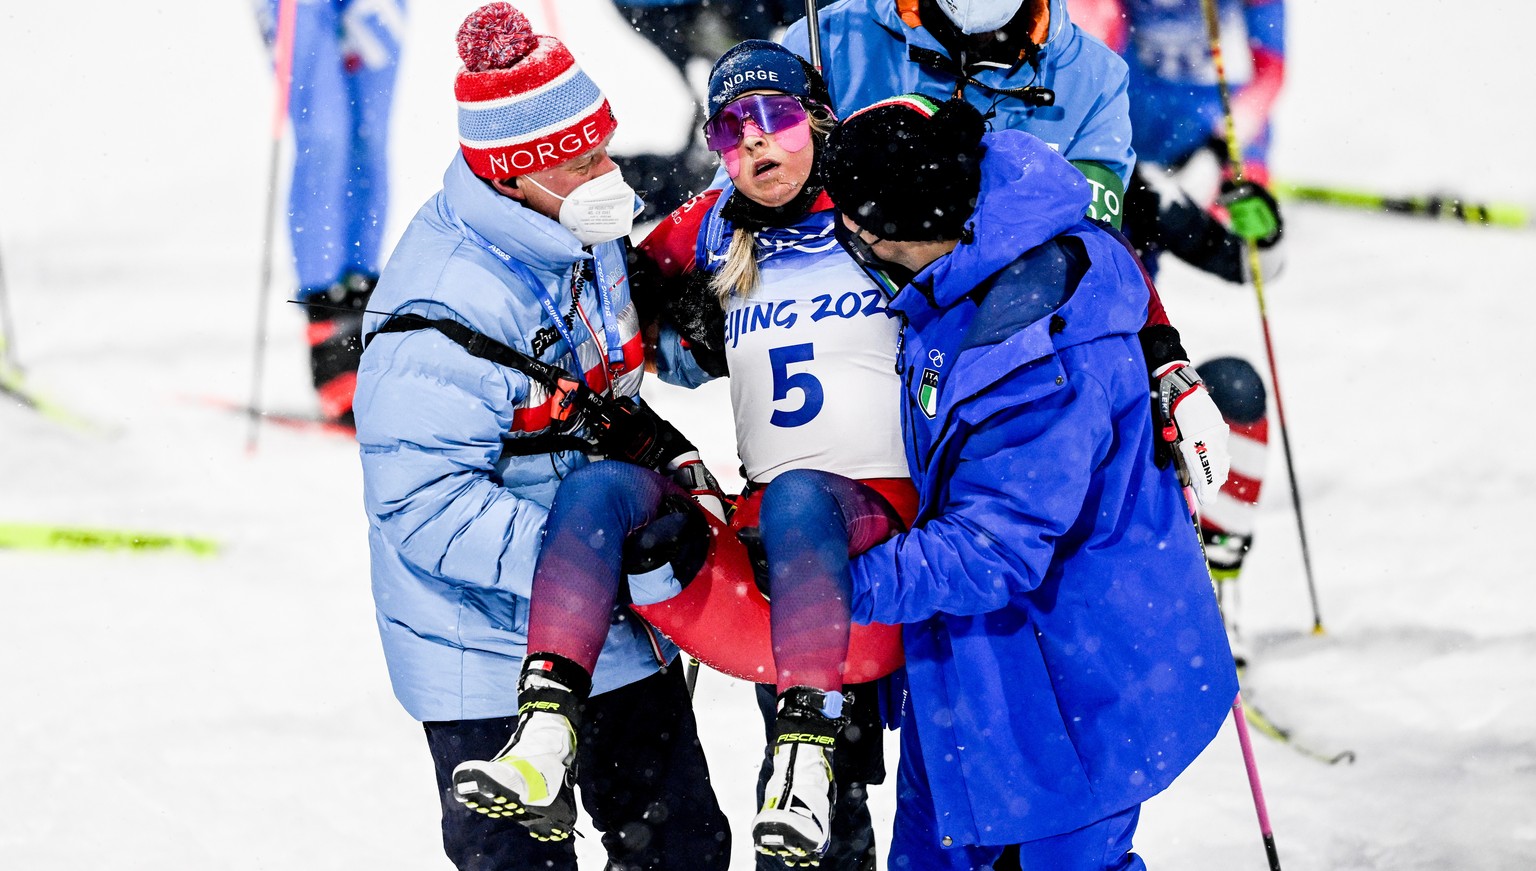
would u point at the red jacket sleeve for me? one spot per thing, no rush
(672, 244)
(1156, 314)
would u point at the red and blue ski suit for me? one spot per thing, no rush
(1175, 102)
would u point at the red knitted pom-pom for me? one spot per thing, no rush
(494, 37)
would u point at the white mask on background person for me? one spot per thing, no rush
(599, 210)
(980, 16)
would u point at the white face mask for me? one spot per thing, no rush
(600, 210)
(980, 16)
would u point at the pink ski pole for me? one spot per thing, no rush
(282, 52)
(1240, 719)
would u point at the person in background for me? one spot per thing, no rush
(1065, 655)
(1180, 202)
(461, 455)
(1023, 63)
(1175, 100)
(345, 57)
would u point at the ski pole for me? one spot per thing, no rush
(1235, 165)
(282, 51)
(691, 674)
(1240, 720)
(1239, 715)
(813, 30)
(1433, 206)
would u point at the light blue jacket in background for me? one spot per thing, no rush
(864, 56)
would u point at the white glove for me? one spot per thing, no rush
(1193, 429)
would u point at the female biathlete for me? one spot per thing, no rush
(752, 280)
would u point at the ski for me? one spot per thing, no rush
(14, 387)
(1258, 720)
(312, 423)
(1433, 206)
(1261, 723)
(45, 537)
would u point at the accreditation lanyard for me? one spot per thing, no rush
(610, 342)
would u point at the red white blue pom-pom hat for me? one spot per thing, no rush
(524, 103)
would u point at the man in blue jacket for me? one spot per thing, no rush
(1065, 655)
(462, 456)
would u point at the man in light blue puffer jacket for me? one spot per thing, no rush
(523, 245)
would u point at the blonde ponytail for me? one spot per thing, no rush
(738, 274)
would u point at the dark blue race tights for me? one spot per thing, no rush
(812, 522)
(576, 579)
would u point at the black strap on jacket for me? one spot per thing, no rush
(486, 348)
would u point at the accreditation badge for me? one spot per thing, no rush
(928, 393)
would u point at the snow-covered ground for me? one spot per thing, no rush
(170, 712)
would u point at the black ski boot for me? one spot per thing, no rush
(336, 343)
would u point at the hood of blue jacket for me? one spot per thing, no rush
(1029, 195)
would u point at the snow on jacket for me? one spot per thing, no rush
(1065, 655)
(455, 526)
(864, 44)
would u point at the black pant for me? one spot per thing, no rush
(858, 761)
(640, 774)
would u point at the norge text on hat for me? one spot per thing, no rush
(524, 103)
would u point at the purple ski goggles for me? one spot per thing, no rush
(772, 113)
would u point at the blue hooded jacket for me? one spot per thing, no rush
(1065, 654)
(454, 526)
(864, 46)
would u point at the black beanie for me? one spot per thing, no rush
(908, 169)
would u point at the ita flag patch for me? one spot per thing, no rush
(928, 393)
